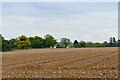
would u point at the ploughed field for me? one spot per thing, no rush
(61, 63)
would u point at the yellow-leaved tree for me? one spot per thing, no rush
(22, 42)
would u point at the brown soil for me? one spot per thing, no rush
(61, 63)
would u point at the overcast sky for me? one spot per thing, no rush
(89, 21)
(59, 0)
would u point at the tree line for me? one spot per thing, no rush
(48, 41)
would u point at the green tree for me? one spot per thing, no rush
(118, 42)
(36, 42)
(82, 44)
(1, 38)
(112, 42)
(65, 42)
(11, 43)
(89, 44)
(4, 44)
(49, 40)
(97, 44)
(75, 44)
(115, 44)
(105, 44)
(22, 42)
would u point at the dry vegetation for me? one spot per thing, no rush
(63, 63)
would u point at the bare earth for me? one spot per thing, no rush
(61, 63)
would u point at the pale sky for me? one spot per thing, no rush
(59, 0)
(89, 21)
